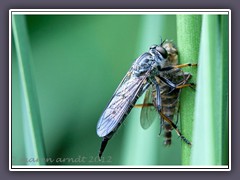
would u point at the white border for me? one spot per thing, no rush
(229, 90)
(117, 12)
(123, 168)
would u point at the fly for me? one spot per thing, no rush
(152, 71)
(169, 96)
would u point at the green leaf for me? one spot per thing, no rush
(188, 33)
(34, 145)
(224, 85)
(144, 147)
(211, 109)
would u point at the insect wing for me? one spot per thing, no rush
(148, 112)
(120, 103)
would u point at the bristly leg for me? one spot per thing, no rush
(178, 66)
(175, 128)
(185, 65)
(143, 105)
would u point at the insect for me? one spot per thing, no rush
(169, 95)
(157, 73)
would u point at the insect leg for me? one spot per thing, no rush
(168, 82)
(191, 85)
(183, 84)
(175, 128)
(158, 99)
(178, 113)
(159, 103)
(161, 125)
(143, 105)
(178, 86)
(177, 66)
(186, 76)
(184, 65)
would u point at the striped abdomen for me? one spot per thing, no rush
(170, 102)
(169, 109)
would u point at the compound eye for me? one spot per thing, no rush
(153, 47)
(162, 51)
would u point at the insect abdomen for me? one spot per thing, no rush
(169, 108)
(167, 134)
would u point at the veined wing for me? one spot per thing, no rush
(148, 112)
(121, 103)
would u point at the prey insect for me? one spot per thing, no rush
(169, 96)
(156, 72)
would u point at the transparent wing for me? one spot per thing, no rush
(120, 103)
(148, 112)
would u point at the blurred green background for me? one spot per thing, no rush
(77, 62)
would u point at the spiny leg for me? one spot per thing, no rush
(175, 128)
(176, 86)
(169, 121)
(191, 85)
(177, 66)
(186, 78)
(184, 65)
(161, 125)
(143, 105)
(183, 84)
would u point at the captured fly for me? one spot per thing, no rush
(157, 72)
(169, 95)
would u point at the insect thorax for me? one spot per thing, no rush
(148, 62)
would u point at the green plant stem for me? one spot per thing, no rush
(212, 94)
(224, 73)
(203, 150)
(188, 33)
(34, 145)
(143, 147)
(142, 152)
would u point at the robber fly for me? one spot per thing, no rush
(152, 71)
(169, 95)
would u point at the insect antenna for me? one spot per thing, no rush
(162, 41)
